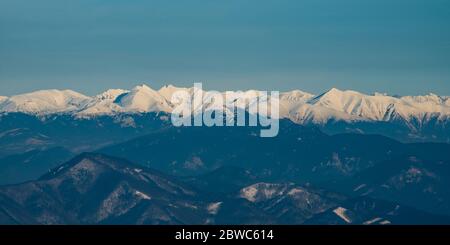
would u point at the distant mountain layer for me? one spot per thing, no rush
(30, 165)
(97, 189)
(227, 158)
(21, 132)
(407, 118)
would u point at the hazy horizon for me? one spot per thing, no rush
(396, 47)
(208, 88)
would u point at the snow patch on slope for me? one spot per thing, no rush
(213, 208)
(262, 191)
(142, 195)
(342, 213)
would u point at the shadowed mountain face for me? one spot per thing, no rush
(420, 179)
(225, 159)
(97, 189)
(196, 150)
(93, 189)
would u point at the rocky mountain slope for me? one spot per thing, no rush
(97, 189)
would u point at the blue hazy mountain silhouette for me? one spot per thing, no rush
(301, 176)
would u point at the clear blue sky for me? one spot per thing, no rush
(394, 46)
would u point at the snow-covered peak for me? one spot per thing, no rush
(103, 104)
(168, 90)
(299, 106)
(44, 102)
(296, 96)
(356, 104)
(293, 100)
(110, 94)
(428, 104)
(142, 87)
(352, 105)
(143, 99)
(430, 98)
(334, 96)
(380, 94)
(140, 99)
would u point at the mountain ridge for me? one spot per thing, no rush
(407, 118)
(142, 98)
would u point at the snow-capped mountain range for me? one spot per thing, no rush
(299, 106)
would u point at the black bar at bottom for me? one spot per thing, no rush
(208, 234)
